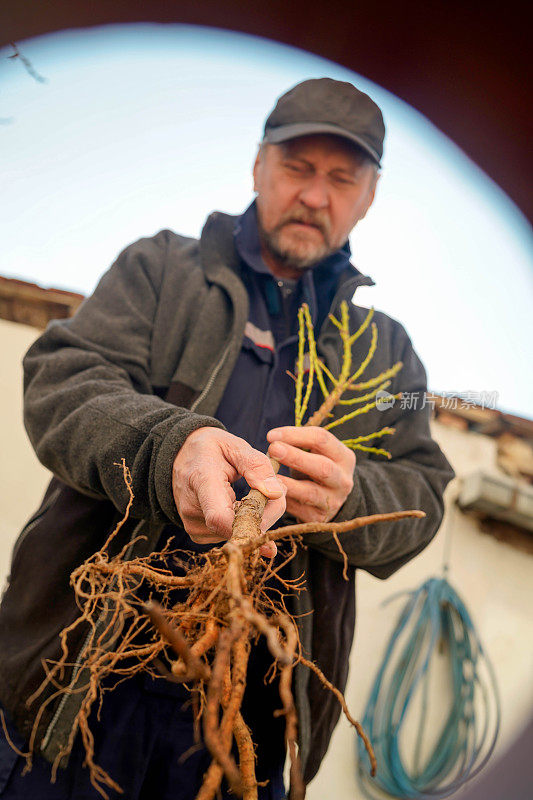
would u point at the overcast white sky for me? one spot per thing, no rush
(144, 127)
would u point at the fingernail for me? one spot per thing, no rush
(273, 434)
(269, 550)
(272, 485)
(278, 449)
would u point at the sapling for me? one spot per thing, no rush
(204, 639)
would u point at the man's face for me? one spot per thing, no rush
(311, 191)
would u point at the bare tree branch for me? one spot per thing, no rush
(30, 69)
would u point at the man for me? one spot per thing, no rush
(178, 364)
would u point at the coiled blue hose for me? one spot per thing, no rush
(434, 623)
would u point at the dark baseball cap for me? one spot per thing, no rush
(323, 105)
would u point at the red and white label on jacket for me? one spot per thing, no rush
(259, 337)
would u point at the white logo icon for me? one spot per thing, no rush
(384, 400)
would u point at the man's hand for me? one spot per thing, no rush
(209, 461)
(328, 467)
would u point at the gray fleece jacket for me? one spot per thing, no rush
(167, 321)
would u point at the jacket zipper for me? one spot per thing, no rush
(32, 523)
(212, 378)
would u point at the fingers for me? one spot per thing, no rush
(315, 440)
(274, 509)
(320, 456)
(309, 502)
(215, 503)
(255, 467)
(208, 462)
(268, 550)
(321, 469)
(207, 518)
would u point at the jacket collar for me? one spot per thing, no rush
(217, 250)
(217, 246)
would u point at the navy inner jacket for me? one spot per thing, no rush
(260, 395)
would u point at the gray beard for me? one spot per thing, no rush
(288, 259)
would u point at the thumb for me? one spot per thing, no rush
(257, 470)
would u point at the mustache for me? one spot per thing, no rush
(317, 219)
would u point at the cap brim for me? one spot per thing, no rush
(285, 132)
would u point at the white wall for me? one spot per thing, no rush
(496, 584)
(22, 478)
